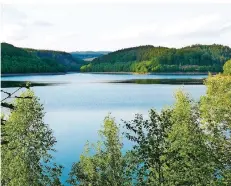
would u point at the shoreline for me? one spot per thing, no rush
(33, 74)
(115, 73)
(155, 73)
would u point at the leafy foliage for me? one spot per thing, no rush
(26, 158)
(151, 146)
(227, 67)
(215, 109)
(189, 156)
(107, 166)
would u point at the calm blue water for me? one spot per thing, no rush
(75, 111)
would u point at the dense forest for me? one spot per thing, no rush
(143, 59)
(186, 144)
(23, 60)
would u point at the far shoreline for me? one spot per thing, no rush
(156, 73)
(115, 73)
(33, 74)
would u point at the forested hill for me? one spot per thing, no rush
(23, 60)
(139, 53)
(143, 59)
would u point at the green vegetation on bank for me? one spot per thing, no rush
(144, 59)
(21, 60)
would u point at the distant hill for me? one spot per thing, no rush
(25, 60)
(88, 55)
(143, 59)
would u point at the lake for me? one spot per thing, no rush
(75, 108)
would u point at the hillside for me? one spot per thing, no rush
(143, 59)
(88, 55)
(23, 60)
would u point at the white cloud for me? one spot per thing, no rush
(160, 33)
(42, 23)
(17, 26)
(113, 26)
(113, 1)
(132, 32)
(13, 32)
(193, 25)
(226, 28)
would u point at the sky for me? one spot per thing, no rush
(112, 26)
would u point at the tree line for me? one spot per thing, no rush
(143, 59)
(188, 143)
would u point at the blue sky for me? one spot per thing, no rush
(110, 26)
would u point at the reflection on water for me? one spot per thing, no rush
(162, 81)
(11, 84)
